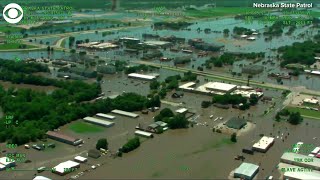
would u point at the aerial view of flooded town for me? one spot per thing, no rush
(159, 89)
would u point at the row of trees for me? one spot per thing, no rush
(294, 118)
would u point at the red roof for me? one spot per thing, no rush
(318, 155)
(61, 136)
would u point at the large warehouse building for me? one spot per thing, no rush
(216, 88)
(99, 122)
(263, 144)
(142, 76)
(246, 171)
(65, 167)
(236, 123)
(301, 160)
(314, 175)
(64, 138)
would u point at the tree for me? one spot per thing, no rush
(130, 145)
(295, 118)
(233, 137)
(226, 31)
(205, 104)
(154, 85)
(102, 143)
(253, 99)
(177, 122)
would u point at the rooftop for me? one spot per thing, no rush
(142, 76)
(62, 167)
(219, 86)
(181, 110)
(236, 123)
(61, 136)
(293, 156)
(247, 169)
(264, 142)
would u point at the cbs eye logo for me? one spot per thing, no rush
(11, 13)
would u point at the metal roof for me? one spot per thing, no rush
(247, 169)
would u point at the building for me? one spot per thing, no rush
(302, 175)
(153, 127)
(41, 178)
(217, 88)
(129, 40)
(188, 86)
(64, 138)
(93, 153)
(80, 159)
(182, 111)
(142, 76)
(2, 167)
(65, 167)
(236, 123)
(220, 87)
(125, 113)
(99, 122)
(106, 116)
(246, 171)
(263, 144)
(105, 45)
(311, 101)
(161, 44)
(315, 150)
(300, 160)
(6, 162)
(247, 94)
(143, 134)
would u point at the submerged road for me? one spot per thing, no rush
(299, 89)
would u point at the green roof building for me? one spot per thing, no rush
(246, 171)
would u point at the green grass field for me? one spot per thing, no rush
(305, 112)
(82, 127)
(14, 46)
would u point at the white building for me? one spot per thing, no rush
(125, 113)
(99, 122)
(263, 144)
(41, 178)
(302, 175)
(80, 159)
(219, 87)
(66, 167)
(106, 116)
(311, 101)
(182, 110)
(292, 158)
(188, 86)
(143, 133)
(142, 76)
(246, 171)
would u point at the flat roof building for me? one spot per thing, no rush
(99, 122)
(41, 178)
(80, 159)
(236, 123)
(64, 138)
(220, 87)
(246, 171)
(158, 43)
(142, 76)
(143, 133)
(125, 113)
(300, 160)
(263, 144)
(65, 167)
(188, 86)
(94, 153)
(182, 110)
(302, 175)
(106, 116)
